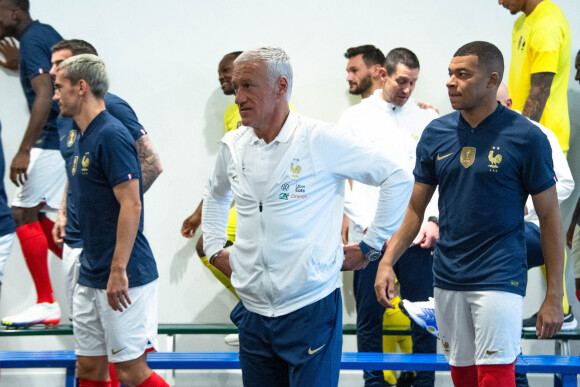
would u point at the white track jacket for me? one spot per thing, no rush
(288, 251)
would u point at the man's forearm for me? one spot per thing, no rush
(42, 86)
(127, 226)
(38, 117)
(151, 166)
(552, 239)
(540, 84)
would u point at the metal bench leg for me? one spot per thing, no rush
(171, 348)
(562, 347)
(70, 376)
(565, 380)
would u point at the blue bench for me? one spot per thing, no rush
(565, 368)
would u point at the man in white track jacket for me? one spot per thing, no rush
(286, 173)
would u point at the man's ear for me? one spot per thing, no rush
(282, 85)
(83, 87)
(508, 103)
(493, 80)
(381, 72)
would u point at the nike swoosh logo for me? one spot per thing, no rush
(313, 351)
(492, 352)
(442, 157)
(116, 352)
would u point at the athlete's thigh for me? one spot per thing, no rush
(497, 318)
(454, 321)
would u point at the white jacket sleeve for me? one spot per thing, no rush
(348, 158)
(565, 183)
(217, 199)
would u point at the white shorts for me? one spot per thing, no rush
(122, 336)
(5, 249)
(576, 251)
(479, 327)
(71, 265)
(45, 183)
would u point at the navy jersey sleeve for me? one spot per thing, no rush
(122, 111)
(424, 171)
(119, 157)
(35, 57)
(538, 168)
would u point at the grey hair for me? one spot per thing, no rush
(276, 60)
(91, 69)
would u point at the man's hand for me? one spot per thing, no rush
(425, 105)
(190, 225)
(118, 290)
(354, 259)
(222, 263)
(58, 231)
(19, 167)
(11, 54)
(428, 236)
(550, 318)
(385, 284)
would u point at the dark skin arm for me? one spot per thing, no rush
(42, 86)
(539, 93)
(550, 316)
(192, 222)
(400, 242)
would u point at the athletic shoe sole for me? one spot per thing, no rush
(413, 316)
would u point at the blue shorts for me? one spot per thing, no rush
(302, 348)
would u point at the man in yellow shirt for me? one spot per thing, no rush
(540, 64)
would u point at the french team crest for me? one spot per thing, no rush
(72, 136)
(467, 156)
(295, 170)
(85, 163)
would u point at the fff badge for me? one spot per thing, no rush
(467, 156)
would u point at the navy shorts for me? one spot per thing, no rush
(302, 348)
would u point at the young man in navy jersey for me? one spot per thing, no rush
(66, 229)
(486, 160)
(115, 300)
(37, 167)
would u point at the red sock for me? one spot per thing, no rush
(154, 381)
(113, 375)
(94, 383)
(503, 375)
(578, 294)
(35, 251)
(464, 376)
(47, 226)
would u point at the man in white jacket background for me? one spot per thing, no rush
(391, 118)
(286, 173)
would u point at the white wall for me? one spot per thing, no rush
(162, 58)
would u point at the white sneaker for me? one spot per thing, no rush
(43, 313)
(233, 340)
(423, 313)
